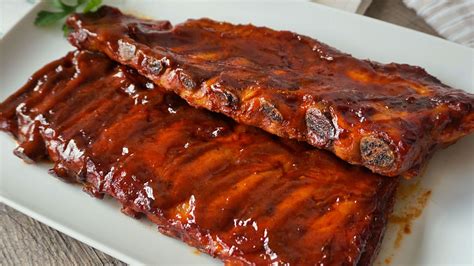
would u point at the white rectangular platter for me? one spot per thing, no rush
(444, 234)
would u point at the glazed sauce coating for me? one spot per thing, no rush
(389, 118)
(230, 190)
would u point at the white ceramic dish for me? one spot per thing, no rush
(443, 235)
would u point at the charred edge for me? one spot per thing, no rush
(31, 150)
(62, 173)
(230, 100)
(187, 81)
(376, 152)
(320, 128)
(58, 171)
(153, 66)
(130, 212)
(270, 111)
(92, 190)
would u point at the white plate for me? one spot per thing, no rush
(443, 235)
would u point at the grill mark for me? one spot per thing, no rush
(207, 190)
(136, 140)
(260, 203)
(100, 117)
(92, 101)
(294, 227)
(323, 223)
(229, 200)
(119, 132)
(110, 143)
(188, 156)
(139, 140)
(63, 108)
(202, 167)
(163, 200)
(84, 133)
(60, 93)
(288, 206)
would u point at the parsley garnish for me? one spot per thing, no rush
(45, 18)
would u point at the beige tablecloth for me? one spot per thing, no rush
(453, 19)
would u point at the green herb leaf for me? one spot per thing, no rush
(61, 5)
(92, 5)
(45, 18)
(66, 30)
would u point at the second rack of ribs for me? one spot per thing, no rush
(230, 190)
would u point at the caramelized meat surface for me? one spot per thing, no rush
(389, 118)
(230, 190)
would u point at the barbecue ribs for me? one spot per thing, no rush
(230, 190)
(389, 118)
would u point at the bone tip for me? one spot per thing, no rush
(376, 152)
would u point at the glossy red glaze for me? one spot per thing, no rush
(230, 190)
(389, 118)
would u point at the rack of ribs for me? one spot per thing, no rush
(389, 118)
(233, 191)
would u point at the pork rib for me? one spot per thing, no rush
(389, 118)
(230, 190)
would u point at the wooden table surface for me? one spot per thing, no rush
(25, 241)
